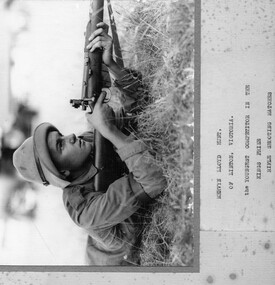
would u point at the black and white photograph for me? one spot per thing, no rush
(97, 134)
(137, 142)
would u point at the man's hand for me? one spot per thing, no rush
(102, 118)
(100, 39)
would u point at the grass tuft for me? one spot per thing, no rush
(160, 44)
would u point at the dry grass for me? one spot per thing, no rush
(160, 44)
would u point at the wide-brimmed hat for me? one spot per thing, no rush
(32, 159)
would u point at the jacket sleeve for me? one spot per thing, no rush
(140, 163)
(96, 211)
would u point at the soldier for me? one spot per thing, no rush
(112, 217)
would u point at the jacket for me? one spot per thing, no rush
(112, 219)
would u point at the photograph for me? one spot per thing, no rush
(137, 142)
(99, 135)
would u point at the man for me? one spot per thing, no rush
(112, 218)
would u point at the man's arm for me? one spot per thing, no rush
(128, 81)
(99, 211)
(126, 195)
(100, 39)
(102, 119)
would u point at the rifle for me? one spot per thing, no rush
(92, 86)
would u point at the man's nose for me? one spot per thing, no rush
(71, 138)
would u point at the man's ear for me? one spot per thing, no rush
(66, 173)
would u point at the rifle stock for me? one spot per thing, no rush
(102, 147)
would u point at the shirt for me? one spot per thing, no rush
(112, 219)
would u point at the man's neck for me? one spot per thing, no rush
(83, 175)
(81, 171)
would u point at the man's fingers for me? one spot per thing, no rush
(103, 26)
(94, 41)
(96, 33)
(101, 98)
(96, 45)
(99, 42)
(99, 102)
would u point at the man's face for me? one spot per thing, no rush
(68, 152)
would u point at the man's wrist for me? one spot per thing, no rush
(112, 64)
(116, 70)
(108, 132)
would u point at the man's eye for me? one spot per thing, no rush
(60, 145)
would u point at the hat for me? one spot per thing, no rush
(32, 159)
